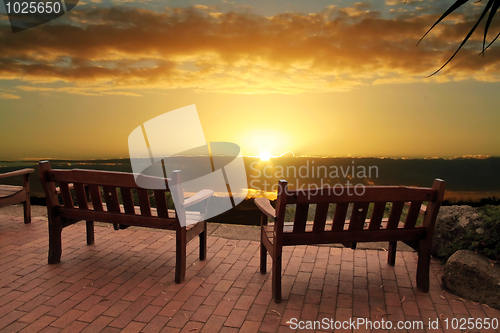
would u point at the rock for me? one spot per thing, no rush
(472, 276)
(452, 224)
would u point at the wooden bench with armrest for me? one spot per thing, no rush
(91, 187)
(11, 195)
(358, 228)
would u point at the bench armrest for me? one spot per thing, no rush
(17, 173)
(198, 197)
(265, 207)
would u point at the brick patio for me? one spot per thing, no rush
(125, 283)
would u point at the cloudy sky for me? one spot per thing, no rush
(328, 78)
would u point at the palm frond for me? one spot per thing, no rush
(491, 6)
(450, 10)
(494, 39)
(493, 11)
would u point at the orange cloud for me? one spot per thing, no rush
(7, 95)
(120, 50)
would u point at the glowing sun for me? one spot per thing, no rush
(264, 156)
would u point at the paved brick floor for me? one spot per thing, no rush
(125, 283)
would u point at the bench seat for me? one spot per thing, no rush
(9, 190)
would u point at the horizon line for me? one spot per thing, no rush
(478, 157)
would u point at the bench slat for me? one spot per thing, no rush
(413, 212)
(358, 216)
(320, 217)
(161, 203)
(339, 217)
(144, 202)
(111, 198)
(357, 221)
(66, 195)
(106, 216)
(353, 236)
(371, 194)
(118, 218)
(300, 219)
(81, 197)
(108, 178)
(377, 215)
(128, 201)
(95, 196)
(395, 215)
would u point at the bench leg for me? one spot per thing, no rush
(180, 255)
(90, 232)
(203, 242)
(27, 211)
(276, 279)
(263, 258)
(391, 256)
(423, 266)
(263, 250)
(55, 244)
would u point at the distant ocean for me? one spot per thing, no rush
(466, 178)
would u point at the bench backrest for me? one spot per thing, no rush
(406, 205)
(98, 194)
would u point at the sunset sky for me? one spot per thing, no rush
(325, 78)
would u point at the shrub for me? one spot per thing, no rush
(484, 240)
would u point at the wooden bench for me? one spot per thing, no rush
(400, 225)
(11, 195)
(82, 193)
